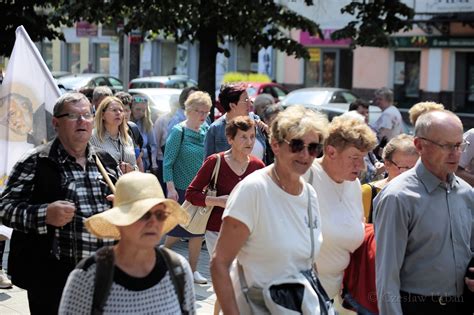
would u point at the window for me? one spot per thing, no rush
(406, 77)
(73, 55)
(102, 59)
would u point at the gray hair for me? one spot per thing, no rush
(66, 98)
(429, 119)
(402, 143)
(271, 110)
(261, 102)
(386, 93)
(101, 91)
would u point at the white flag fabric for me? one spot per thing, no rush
(27, 97)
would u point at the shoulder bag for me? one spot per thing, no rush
(300, 293)
(200, 215)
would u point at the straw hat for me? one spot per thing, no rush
(136, 193)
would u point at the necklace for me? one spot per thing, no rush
(239, 165)
(278, 178)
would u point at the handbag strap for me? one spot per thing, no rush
(310, 223)
(215, 172)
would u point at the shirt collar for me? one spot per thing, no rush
(430, 181)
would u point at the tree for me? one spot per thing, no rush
(260, 23)
(210, 22)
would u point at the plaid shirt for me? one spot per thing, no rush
(85, 188)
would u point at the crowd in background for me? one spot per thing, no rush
(376, 246)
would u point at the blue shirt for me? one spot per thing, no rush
(424, 235)
(216, 140)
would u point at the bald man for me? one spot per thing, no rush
(424, 226)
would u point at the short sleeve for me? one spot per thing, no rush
(243, 203)
(468, 154)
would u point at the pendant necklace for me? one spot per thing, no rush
(278, 178)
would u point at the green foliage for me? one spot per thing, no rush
(374, 22)
(245, 77)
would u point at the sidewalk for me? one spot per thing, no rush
(14, 301)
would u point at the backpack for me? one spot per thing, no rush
(104, 259)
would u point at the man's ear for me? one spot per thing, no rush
(232, 106)
(55, 123)
(418, 144)
(330, 152)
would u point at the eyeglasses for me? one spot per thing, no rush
(159, 216)
(76, 116)
(449, 147)
(297, 145)
(202, 113)
(401, 168)
(139, 99)
(114, 110)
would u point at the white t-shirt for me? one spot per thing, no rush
(342, 216)
(279, 242)
(467, 157)
(390, 119)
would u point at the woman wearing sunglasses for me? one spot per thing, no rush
(142, 283)
(335, 179)
(111, 133)
(265, 222)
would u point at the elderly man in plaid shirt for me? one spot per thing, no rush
(49, 194)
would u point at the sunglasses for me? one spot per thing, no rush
(298, 145)
(160, 216)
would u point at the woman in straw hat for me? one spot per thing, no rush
(141, 281)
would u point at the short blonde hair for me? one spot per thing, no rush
(421, 108)
(296, 121)
(402, 143)
(345, 131)
(196, 99)
(99, 121)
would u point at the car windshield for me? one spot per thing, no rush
(251, 91)
(307, 97)
(73, 82)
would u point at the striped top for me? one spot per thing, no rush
(120, 151)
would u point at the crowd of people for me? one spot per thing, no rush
(383, 219)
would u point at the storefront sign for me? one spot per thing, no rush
(86, 29)
(314, 54)
(444, 6)
(308, 40)
(432, 42)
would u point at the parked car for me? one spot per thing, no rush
(90, 80)
(158, 99)
(170, 81)
(60, 74)
(274, 89)
(332, 102)
(319, 96)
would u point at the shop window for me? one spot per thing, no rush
(406, 77)
(329, 68)
(102, 59)
(464, 82)
(173, 58)
(73, 56)
(46, 50)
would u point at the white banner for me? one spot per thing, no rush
(27, 97)
(443, 6)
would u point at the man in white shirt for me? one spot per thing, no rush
(466, 162)
(390, 123)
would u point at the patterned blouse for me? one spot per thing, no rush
(184, 155)
(120, 151)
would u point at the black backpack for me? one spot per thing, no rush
(104, 259)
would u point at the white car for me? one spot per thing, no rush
(158, 99)
(168, 81)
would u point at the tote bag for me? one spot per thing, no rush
(200, 215)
